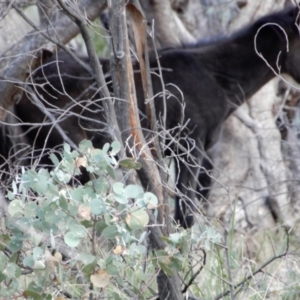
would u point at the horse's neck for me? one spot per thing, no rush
(239, 69)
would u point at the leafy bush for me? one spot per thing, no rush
(65, 235)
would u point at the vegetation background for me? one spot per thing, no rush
(93, 242)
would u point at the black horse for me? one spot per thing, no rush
(212, 79)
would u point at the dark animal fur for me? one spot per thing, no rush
(215, 78)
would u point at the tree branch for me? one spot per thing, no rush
(22, 58)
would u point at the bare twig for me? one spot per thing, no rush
(260, 269)
(114, 130)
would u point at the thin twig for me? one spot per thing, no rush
(57, 42)
(260, 269)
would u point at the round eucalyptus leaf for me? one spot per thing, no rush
(110, 232)
(71, 239)
(84, 145)
(137, 218)
(11, 270)
(116, 146)
(150, 200)
(16, 206)
(175, 238)
(133, 191)
(37, 253)
(61, 176)
(79, 230)
(118, 188)
(105, 148)
(101, 186)
(122, 199)
(86, 258)
(30, 210)
(28, 261)
(97, 206)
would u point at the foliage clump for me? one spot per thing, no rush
(64, 235)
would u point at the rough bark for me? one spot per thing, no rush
(124, 89)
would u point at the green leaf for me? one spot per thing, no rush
(3, 261)
(87, 258)
(176, 264)
(84, 145)
(105, 148)
(97, 206)
(107, 218)
(15, 207)
(101, 225)
(80, 231)
(61, 176)
(112, 269)
(137, 218)
(87, 223)
(71, 239)
(130, 163)
(38, 182)
(77, 194)
(110, 171)
(88, 269)
(4, 239)
(63, 203)
(101, 186)
(54, 159)
(110, 232)
(116, 146)
(2, 277)
(142, 237)
(67, 148)
(175, 238)
(28, 294)
(119, 191)
(28, 261)
(11, 270)
(37, 253)
(11, 195)
(122, 199)
(163, 260)
(14, 257)
(111, 266)
(166, 268)
(118, 188)
(33, 286)
(150, 200)
(133, 191)
(15, 244)
(30, 210)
